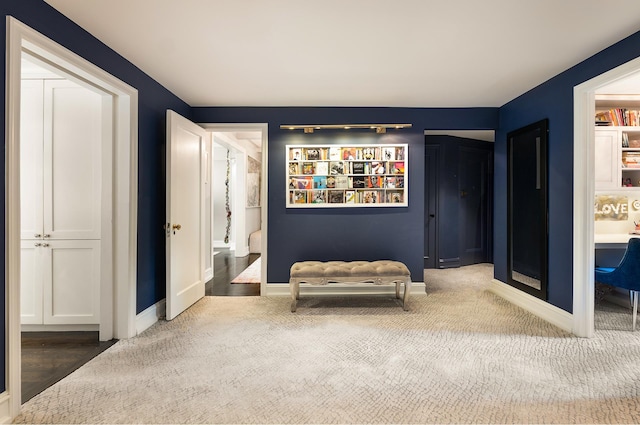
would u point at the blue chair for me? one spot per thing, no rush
(626, 275)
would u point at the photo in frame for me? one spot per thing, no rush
(253, 182)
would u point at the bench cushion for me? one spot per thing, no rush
(346, 269)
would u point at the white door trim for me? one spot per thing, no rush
(584, 194)
(23, 38)
(264, 198)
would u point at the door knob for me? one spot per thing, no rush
(176, 227)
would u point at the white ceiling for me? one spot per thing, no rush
(403, 53)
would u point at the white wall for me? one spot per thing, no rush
(244, 220)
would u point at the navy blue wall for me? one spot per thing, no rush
(153, 102)
(553, 100)
(347, 233)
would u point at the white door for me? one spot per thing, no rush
(185, 213)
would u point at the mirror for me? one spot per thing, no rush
(527, 209)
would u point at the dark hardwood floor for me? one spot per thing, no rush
(47, 357)
(225, 268)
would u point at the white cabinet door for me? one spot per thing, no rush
(31, 280)
(72, 162)
(72, 282)
(60, 191)
(31, 145)
(607, 159)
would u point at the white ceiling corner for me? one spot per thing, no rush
(402, 53)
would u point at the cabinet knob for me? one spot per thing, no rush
(37, 235)
(46, 236)
(45, 245)
(38, 244)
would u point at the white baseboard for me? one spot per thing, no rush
(550, 313)
(282, 289)
(150, 316)
(59, 328)
(221, 244)
(208, 274)
(242, 251)
(5, 410)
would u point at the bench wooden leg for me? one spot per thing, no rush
(295, 294)
(407, 291)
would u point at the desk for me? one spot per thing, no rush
(612, 240)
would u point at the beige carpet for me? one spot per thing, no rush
(249, 275)
(461, 355)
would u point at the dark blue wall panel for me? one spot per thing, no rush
(153, 102)
(552, 100)
(347, 233)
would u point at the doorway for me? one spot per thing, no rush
(458, 198)
(239, 208)
(117, 287)
(584, 193)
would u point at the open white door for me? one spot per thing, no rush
(185, 213)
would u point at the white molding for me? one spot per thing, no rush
(584, 193)
(542, 309)
(338, 289)
(151, 315)
(125, 186)
(59, 328)
(5, 415)
(242, 251)
(208, 274)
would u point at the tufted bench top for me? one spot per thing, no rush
(346, 269)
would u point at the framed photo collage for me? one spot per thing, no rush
(347, 176)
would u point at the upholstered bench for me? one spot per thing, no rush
(381, 272)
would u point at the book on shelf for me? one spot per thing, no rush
(370, 197)
(303, 183)
(336, 196)
(394, 182)
(342, 182)
(295, 154)
(369, 153)
(298, 197)
(334, 154)
(322, 168)
(395, 196)
(374, 181)
(399, 153)
(388, 154)
(350, 197)
(618, 117)
(336, 168)
(331, 182)
(357, 168)
(396, 167)
(358, 182)
(308, 168)
(319, 182)
(319, 197)
(348, 153)
(312, 154)
(378, 167)
(294, 168)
